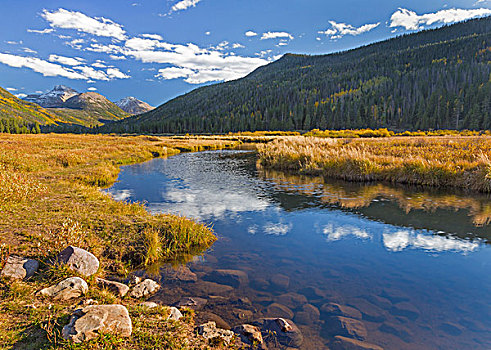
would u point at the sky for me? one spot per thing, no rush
(156, 50)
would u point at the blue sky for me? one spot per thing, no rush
(156, 50)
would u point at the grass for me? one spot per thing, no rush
(450, 161)
(50, 197)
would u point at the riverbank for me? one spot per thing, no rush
(50, 197)
(451, 161)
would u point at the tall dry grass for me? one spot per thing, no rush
(437, 161)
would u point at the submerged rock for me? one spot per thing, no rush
(79, 260)
(346, 327)
(234, 278)
(209, 331)
(280, 281)
(89, 322)
(194, 303)
(67, 289)
(278, 310)
(343, 343)
(119, 289)
(309, 315)
(145, 288)
(179, 274)
(250, 335)
(333, 309)
(280, 330)
(19, 268)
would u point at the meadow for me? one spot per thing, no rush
(438, 161)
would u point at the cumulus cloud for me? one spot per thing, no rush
(21, 95)
(98, 26)
(174, 73)
(44, 31)
(400, 240)
(67, 61)
(11, 89)
(47, 69)
(115, 73)
(250, 33)
(336, 233)
(410, 20)
(184, 5)
(276, 35)
(278, 229)
(338, 30)
(92, 89)
(152, 36)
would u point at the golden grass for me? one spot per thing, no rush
(437, 161)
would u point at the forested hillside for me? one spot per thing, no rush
(435, 79)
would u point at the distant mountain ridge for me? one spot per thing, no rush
(54, 98)
(434, 79)
(133, 105)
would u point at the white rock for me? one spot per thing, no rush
(69, 288)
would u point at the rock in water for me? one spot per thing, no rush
(19, 268)
(119, 289)
(209, 331)
(89, 322)
(284, 331)
(194, 303)
(79, 260)
(234, 278)
(144, 289)
(343, 343)
(70, 288)
(249, 334)
(347, 327)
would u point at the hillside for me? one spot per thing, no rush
(432, 79)
(13, 108)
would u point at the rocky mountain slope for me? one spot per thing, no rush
(133, 105)
(53, 99)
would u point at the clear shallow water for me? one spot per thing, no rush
(415, 265)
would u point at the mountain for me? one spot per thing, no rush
(15, 109)
(436, 78)
(133, 105)
(89, 109)
(54, 98)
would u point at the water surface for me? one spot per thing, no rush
(412, 264)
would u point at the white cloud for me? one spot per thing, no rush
(44, 31)
(174, 73)
(21, 95)
(28, 50)
(412, 21)
(38, 65)
(99, 26)
(92, 89)
(184, 5)
(335, 233)
(117, 58)
(152, 36)
(339, 30)
(115, 73)
(237, 46)
(278, 229)
(400, 240)
(276, 35)
(11, 89)
(250, 33)
(67, 61)
(207, 33)
(99, 65)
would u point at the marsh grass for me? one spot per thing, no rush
(437, 161)
(50, 197)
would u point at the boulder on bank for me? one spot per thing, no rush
(119, 289)
(174, 314)
(67, 289)
(79, 260)
(19, 268)
(250, 335)
(209, 331)
(144, 289)
(89, 322)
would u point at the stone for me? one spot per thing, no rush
(333, 309)
(242, 314)
(309, 315)
(87, 323)
(67, 289)
(79, 260)
(278, 310)
(395, 296)
(379, 301)
(119, 289)
(149, 304)
(369, 311)
(283, 331)
(19, 268)
(343, 343)
(249, 334)
(260, 284)
(144, 289)
(206, 316)
(194, 303)
(210, 331)
(174, 314)
(292, 300)
(178, 274)
(346, 327)
(234, 278)
(405, 309)
(397, 330)
(133, 280)
(280, 281)
(212, 288)
(313, 293)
